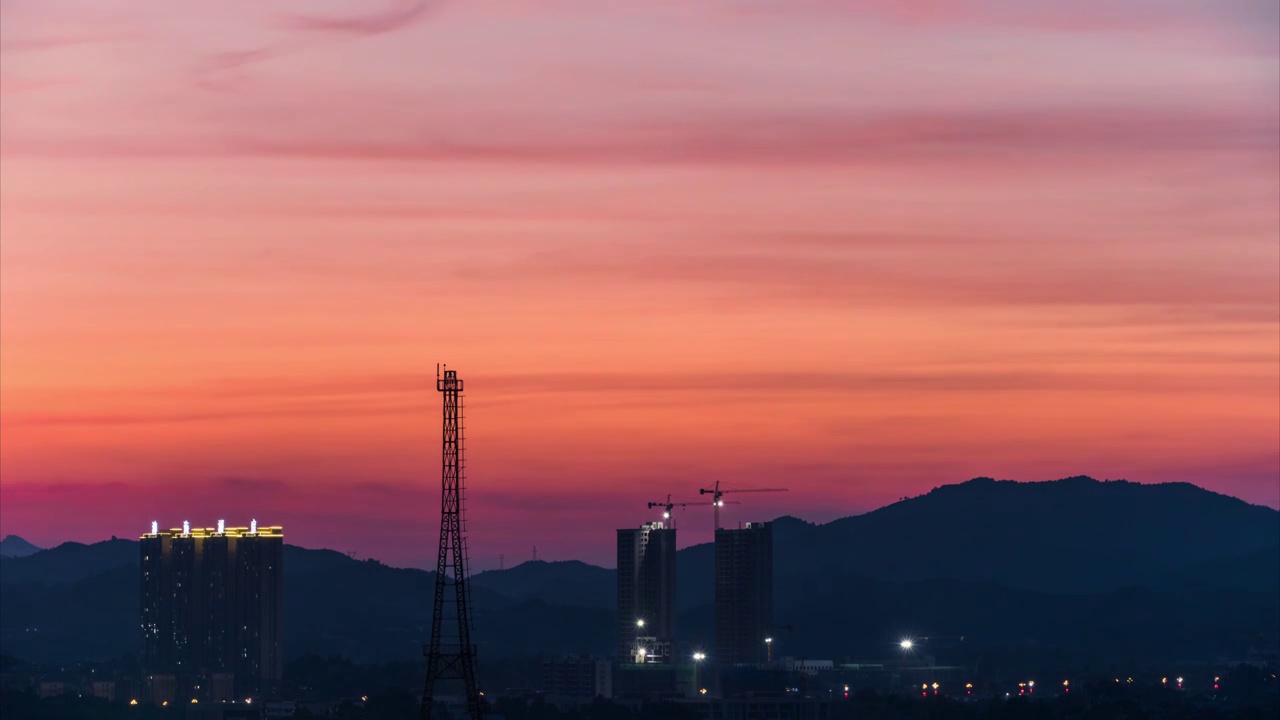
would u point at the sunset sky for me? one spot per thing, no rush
(855, 249)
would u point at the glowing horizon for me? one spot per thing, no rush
(859, 250)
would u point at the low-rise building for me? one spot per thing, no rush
(105, 689)
(808, 667)
(572, 681)
(51, 688)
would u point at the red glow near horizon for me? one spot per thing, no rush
(234, 244)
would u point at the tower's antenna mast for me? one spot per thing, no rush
(452, 658)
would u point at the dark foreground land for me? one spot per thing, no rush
(1247, 693)
(401, 705)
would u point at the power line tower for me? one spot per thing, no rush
(451, 657)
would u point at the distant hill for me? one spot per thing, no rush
(1258, 571)
(363, 610)
(367, 611)
(68, 562)
(560, 583)
(14, 546)
(1084, 569)
(1071, 535)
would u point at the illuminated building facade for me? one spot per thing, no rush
(744, 594)
(211, 601)
(646, 593)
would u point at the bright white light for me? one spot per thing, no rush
(253, 527)
(719, 503)
(640, 623)
(186, 527)
(906, 644)
(699, 657)
(768, 640)
(222, 526)
(155, 527)
(666, 516)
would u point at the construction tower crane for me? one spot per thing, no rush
(717, 493)
(667, 505)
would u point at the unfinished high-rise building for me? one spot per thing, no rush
(646, 593)
(743, 594)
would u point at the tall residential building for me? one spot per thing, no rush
(743, 594)
(646, 593)
(211, 608)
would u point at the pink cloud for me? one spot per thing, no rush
(857, 248)
(400, 15)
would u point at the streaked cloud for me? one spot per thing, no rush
(862, 248)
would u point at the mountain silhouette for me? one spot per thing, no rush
(1063, 536)
(14, 546)
(1076, 568)
(1072, 535)
(68, 562)
(559, 583)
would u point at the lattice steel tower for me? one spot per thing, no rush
(451, 656)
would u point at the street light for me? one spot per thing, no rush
(640, 622)
(768, 644)
(906, 644)
(698, 657)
